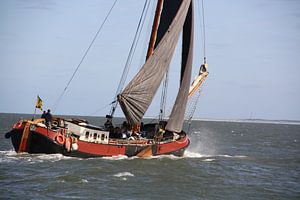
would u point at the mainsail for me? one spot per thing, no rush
(139, 93)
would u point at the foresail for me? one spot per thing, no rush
(138, 94)
(176, 118)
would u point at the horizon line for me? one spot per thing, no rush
(241, 120)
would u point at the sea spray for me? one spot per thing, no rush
(203, 142)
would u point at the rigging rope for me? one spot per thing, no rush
(130, 56)
(99, 109)
(83, 57)
(192, 104)
(193, 100)
(203, 32)
(164, 97)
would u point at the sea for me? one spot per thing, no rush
(226, 160)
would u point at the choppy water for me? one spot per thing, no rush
(226, 160)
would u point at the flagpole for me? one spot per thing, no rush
(34, 113)
(35, 108)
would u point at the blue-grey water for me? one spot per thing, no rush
(226, 160)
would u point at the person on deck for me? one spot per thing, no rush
(44, 114)
(48, 118)
(108, 124)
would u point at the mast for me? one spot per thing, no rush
(154, 28)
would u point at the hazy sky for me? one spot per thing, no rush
(253, 52)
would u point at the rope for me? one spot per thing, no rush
(130, 56)
(193, 100)
(202, 24)
(164, 97)
(203, 30)
(99, 109)
(83, 57)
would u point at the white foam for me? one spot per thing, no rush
(12, 156)
(9, 153)
(9, 156)
(189, 154)
(118, 157)
(208, 160)
(231, 156)
(210, 157)
(123, 157)
(124, 174)
(84, 181)
(50, 157)
(172, 157)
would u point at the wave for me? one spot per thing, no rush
(12, 156)
(8, 153)
(122, 174)
(118, 157)
(232, 156)
(187, 154)
(52, 157)
(84, 181)
(190, 154)
(209, 160)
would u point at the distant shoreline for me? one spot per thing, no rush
(263, 121)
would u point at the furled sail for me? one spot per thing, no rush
(176, 118)
(138, 94)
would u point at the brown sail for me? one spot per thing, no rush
(138, 94)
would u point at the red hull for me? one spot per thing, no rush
(43, 140)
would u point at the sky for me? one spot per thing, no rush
(252, 49)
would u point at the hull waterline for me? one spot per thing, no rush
(44, 140)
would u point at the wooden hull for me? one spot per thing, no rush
(43, 140)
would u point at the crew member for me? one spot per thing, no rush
(44, 114)
(48, 118)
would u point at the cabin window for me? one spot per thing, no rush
(95, 136)
(102, 137)
(87, 134)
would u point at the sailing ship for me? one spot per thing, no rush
(78, 138)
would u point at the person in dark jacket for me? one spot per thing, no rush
(43, 115)
(48, 118)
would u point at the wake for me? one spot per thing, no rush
(11, 156)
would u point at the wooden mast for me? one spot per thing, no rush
(154, 28)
